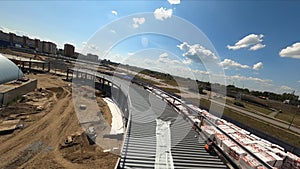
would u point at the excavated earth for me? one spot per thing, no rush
(48, 118)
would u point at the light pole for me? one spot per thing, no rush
(294, 116)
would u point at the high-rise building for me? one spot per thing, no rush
(69, 50)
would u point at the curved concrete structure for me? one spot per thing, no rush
(8, 70)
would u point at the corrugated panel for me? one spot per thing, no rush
(139, 150)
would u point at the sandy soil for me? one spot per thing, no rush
(49, 117)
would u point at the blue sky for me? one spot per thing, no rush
(256, 42)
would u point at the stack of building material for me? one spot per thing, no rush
(212, 118)
(291, 162)
(195, 108)
(278, 160)
(270, 153)
(209, 131)
(226, 144)
(235, 153)
(182, 109)
(248, 162)
(247, 141)
(255, 148)
(224, 127)
(237, 136)
(264, 156)
(220, 138)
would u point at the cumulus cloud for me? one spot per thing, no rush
(197, 53)
(174, 2)
(253, 41)
(228, 64)
(162, 13)
(285, 88)
(130, 53)
(164, 55)
(291, 51)
(258, 66)
(138, 21)
(114, 12)
(187, 61)
(257, 46)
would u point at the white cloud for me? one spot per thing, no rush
(187, 61)
(114, 12)
(291, 51)
(138, 21)
(164, 55)
(285, 88)
(197, 53)
(174, 2)
(298, 81)
(244, 78)
(228, 64)
(257, 46)
(130, 53)
(258, 84)
(90, 48)
(113, 31)
(258, 66)
(253, 41)
(201, 72)
(162, 13)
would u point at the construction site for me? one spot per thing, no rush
(47, 120)
(39, 127)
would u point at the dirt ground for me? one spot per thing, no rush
(48, 116)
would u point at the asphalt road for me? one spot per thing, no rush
(263, 118)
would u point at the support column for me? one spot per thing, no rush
(49, 66)
(77, 74)
(30, 66)
(67, 73)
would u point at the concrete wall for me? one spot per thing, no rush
(9, 95)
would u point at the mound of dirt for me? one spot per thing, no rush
(81, 152)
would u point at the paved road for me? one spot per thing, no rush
(263, 118)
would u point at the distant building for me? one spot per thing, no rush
(91, 57)
(69, 50)
(4, 39)
(38, 45)
(26, 43)
(49, 47)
